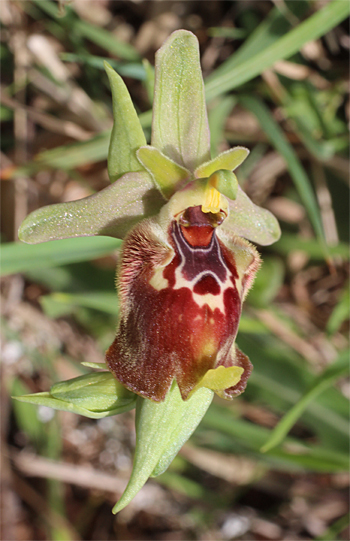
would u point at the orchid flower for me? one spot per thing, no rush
(186, 262)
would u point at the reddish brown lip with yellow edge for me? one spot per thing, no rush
(182, 307)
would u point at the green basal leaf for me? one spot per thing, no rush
(230, 159)
(180, 125)
(161, 430)
(127, 134)
(250, 221)
(94, 395)
(168, 176)
(111, 212)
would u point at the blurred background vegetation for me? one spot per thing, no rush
(273, 464)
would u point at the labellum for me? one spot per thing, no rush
(181, 283)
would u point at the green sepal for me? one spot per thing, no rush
(250, 221)
(180, 125)
(127, 134)
(230, 159)
(168, 176)
(161, 430)
(110, 212)
(94, 395)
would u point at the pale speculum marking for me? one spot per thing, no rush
(202, 269)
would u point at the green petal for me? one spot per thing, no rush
(180, 124)
(225, 182)
(127, 134)
(230, 159)
(221, 378)
(250, 221)
(110, 212)
(167, 175)
(161, 430)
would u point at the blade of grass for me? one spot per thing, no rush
(279, 141)
(217, 119)
(273, 27)
(295, 453)
(330, 375)
(312, 247)
(68, 157)
(133, 70)
(335, 529)
(18, 257)
(101, 37)
(314, 27)
(103, 301)
(340, 312)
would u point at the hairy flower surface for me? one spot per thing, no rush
(181, 281)
(186, 264)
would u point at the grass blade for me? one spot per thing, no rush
(279, 141)
(18, 257)
(330, 375)
(314, 27)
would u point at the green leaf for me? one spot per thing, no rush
(149, 78)
(127, 134)
(250, 221)
(106, 40)
(230, 159)
(161, 430)
(18, 257)
(314, 27)
(340, 312)
(267, 283)
(111, 212)
(272, 27)
(101, 37)
(94, 395)
(26, 418)
(168, 176)
(294, 454)
(103, 301)
(217, 120)
(98, 391)
(180, 125)
(338, 369)
(45, 399)
(133, 70)
(312, 247)
(279, 141)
